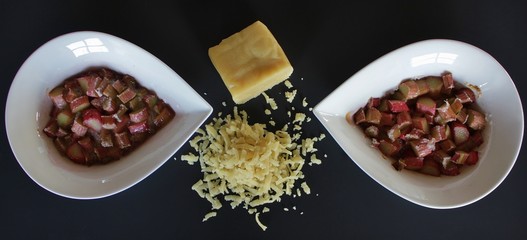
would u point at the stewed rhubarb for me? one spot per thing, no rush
(431, 125)
(100, 115)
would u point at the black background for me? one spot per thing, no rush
(326, 42)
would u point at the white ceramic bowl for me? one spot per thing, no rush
(28, 106)
(468, 64)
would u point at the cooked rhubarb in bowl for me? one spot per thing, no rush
(499, 110)
(28, 115)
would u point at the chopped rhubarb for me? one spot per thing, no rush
(119, 86)
(422, 147)
(80, 103)
(65, 118)
(459, 157)
(450, 169)
(397, 106)
(388, 148)
(122, 139)
(139, 115)
(456, 105)
(92, 119)
(421, 123)
(423, 86)
(447, 145)
(412, 163)
(372, 131)
(466, 95)
(86, 143)
(108, 122)
(51, 129)
(394, 132)
(435, 85)
(476, 120)
(462, 116)
(109, 105)
(109, 91)
(409, 89)
(413, 134)
(448, 83)
(106, 138)
(431, 167)
(122, 125)
(373, 102)
(387, 119)
(460, 132)
(89, 84)
(439, 133)
(138, 127)
(127, 95)
(473, 158)
(77, 127)
(76, 153)
(359, 116)
(373, 116)
(404, 119)
(164, 117)
(150, 99)
(426, 105)
(57, 96)
(446, 113)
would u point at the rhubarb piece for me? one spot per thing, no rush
(423, 86)
(446, 113)
(372, 131)
(450, 169)
(421, 123)
(409, 89)
(77, 127)
(106, 138)
(359, 117)
(426, 105)
(127, 95)
(422, 147)
(89, 84)
(75, 153)
(413, 134)
(139, 115)
(459, 157)
(435, 85)
(387, 148)
(456, 105)
(404, 119)
(86, 144)
(373, 116)
(138, 127)
(119, 86)
(80, 103)
(109, 91)
(431, 167)
(473, 158)
(107, 154)
(448, 83)
(92, 119)
(394, 132)
(462, 116)
(122, 125)
(440, 157)
(397, 106)
(71, 93)
(121, 112)
(475, 120)
(439, 133)
(466, 95)
(373, 102)
(136, 103)
(150, 99)
(57, 97)
(387, 119)
(164, 117)
(109, 105)
(123, 140)
(383, 105)
(447, 145)
(65, 118)
(412, 163)
(460, 132)
(108, 122)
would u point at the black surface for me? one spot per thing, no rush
(326, 42)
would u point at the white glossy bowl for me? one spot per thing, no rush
(468, 64)
(28, 106)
